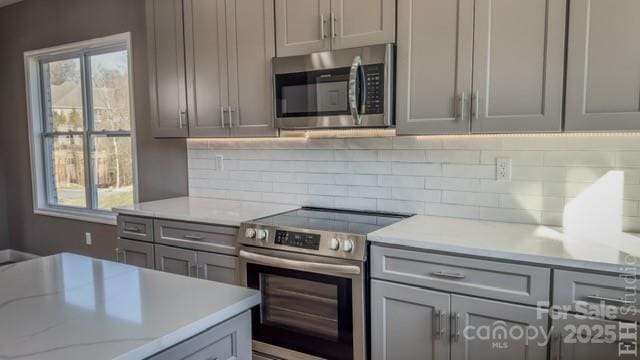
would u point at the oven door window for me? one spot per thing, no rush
(315, 93)
(305, 312)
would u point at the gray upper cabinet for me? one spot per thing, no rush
(166, 68)
(472, 313)
(357, 23)
(308, 26)
(518, 66)
(302, 26)
(251, 42)
(206, 66)
(603, 66)
(434, 98)
(408, 323)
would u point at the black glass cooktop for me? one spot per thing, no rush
(345, 221)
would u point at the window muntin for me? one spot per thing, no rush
(86, 138)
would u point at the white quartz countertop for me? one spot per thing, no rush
(68, 307)
(210, 211)
(613, 252)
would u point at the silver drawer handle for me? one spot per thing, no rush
(448, 275)
(132, 229)
(597, 297)
(193, 237)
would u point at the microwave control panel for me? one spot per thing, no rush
(374, 80)
(298, 240)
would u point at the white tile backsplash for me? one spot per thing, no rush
(440, 175)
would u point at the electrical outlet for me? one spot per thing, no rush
(87, 238)
(503, 169)
(219, 163)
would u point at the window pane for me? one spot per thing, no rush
(63, 95)
(113, 171)
(110, 91)
(65, 170)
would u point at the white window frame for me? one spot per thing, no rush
(32, 61)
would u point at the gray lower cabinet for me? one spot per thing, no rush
(175, 260)
(230, 340)
(507, 324)
(135, 253)
(577, 338)
(216, 267)
(408, 322)
(603, 66)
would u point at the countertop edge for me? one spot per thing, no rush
(499, 256)
(170, 340)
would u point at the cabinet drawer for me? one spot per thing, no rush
(220, 239)
(230, 340)
(494, 280)
(135, 228)
(616, 292)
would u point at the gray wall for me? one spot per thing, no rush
(4, 227)
(162, 164)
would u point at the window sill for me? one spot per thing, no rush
(106, 219)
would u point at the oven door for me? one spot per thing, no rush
(312, 307)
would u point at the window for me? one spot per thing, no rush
(81, 123)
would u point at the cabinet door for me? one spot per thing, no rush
(136, 253)
(166, 68)
(518, 66)
(408, 323)
(363, 22)
(471, 317)
(215, 267)
(592, 339)
(603, 66)
(434, 71)
(206, 60)
(252, 46)
(302, 26)
(176, 261)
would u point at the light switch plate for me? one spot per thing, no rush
(87, 238)
(503, 169)
(219, 163)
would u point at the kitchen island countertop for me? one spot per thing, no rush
(71, 307)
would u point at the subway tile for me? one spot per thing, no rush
(542, 142)
(328, 190)
(356, 155)
(632, 192)
(280, 198)
(550, 218)
(201, 164)
(628, 158)
(512, 187)
(457, 184)
(415, 156)
(401, 206)
(370, 167)
(527, 202)
(289, 166)
(518, 157)
(328, 167)
(417, 142)
(448, 210)
(352, 179)
(316, 200)
(471, 142)
(469, 171)
(371, 143)
(572, 189)
(197, 144)
(374, 192)
(401, 181)
(470, 198)
(416, 194)
(342, 202)
(631, 208)
(290, 188)
(315, 143)
(631, 224)
(600, 143)
(538, 173)
(579, 158)
(416, 169)
(510, 215)
(453, 156)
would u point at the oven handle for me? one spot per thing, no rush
(356, 68)
(300, 265)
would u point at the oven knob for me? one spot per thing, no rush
(334, 244)
(250, 233)
(347, 246)
(262, 234)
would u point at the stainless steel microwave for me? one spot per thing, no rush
(351, 88)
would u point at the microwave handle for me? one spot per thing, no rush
(300, 265)
(356, 112)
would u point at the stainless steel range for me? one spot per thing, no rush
(309, 265)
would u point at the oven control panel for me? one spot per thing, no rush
(297, 240)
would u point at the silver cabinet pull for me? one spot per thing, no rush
(117, 255)
(181, 117)
(463, 107)
(323, 23)
(597, 297)
(438, 331)
(193, 269)
(443, 274)
(124, 256)
(203, 274)
(232, 111)
(455, 329)
(330, 269)
(222, 112)
(475, 100)
(132, 229)
(193, 237)
(334, 20)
